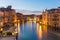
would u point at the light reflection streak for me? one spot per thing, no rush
(45, 32)
(23, 25)
(19, 27)
(34, 21)
(29, 24)
(39, 31)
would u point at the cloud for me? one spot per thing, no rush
(28, 12)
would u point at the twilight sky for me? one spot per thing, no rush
(33, 5)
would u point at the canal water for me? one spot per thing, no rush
(31, 30)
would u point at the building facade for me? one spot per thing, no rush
(7, 16)
(51, 17)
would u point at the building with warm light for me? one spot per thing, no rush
(23, 17)
(51, 17)
(7, 15)
(8, 19)
(19, 16)
(40, 19)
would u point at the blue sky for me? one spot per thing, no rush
(38, 5)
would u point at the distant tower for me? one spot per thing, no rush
(46, 9)
(9, 7)
(58, 7)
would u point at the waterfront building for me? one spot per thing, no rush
(20, 16)
(51, 17)
(8, 19)
(7, 15)
(23, 17)
(40, 19)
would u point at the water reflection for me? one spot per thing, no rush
(29, 24)
(45, 32)
(22, 25)
(34, 31)
(39, 31)
(18, 26)
(30, 28)
(18, 29)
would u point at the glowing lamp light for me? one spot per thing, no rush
(1, 23)
(1, 29)
(40, 27)
(40, 22)
(16, 32)
(12, 33)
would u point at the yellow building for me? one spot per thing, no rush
(7, 16)
(8, 21)
(51, 17)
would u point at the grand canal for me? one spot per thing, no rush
(34, 31)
